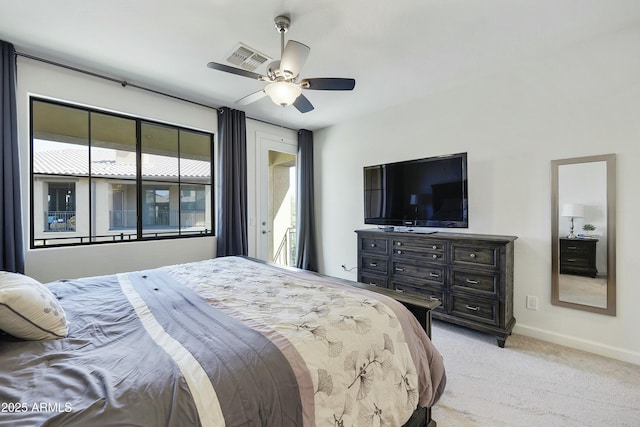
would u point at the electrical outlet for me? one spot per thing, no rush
(532, 302)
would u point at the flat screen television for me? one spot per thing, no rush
(429, 192)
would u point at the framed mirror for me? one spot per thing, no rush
(583, 233)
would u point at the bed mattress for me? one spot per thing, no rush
(222, 342)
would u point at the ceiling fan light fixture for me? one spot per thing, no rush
(283, 93)
(282, 85)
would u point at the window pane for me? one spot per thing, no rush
(109, 131)
(159, 209)
(160, 199)
(195, 157)
(159, 152)
(195, 205)
(60, 166)
(60, 127)
(195, 179)
(113, 178)
(123, 217)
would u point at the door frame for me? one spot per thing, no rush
(264, 142)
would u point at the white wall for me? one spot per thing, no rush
(582, 101)
(37, 78)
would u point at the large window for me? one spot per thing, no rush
(103, 177)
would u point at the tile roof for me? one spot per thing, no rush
(105, 164)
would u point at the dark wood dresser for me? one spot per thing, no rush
(578, 256)
(470, 274)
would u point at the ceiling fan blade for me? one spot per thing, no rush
(237, 71)
(328, 83)
(252, 97)
(302, 104)
(293, 57)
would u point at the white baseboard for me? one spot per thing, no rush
(580, 344)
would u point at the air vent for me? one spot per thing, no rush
(247, 58)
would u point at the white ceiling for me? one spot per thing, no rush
(397, 51)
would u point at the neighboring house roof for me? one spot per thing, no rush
(105, 164)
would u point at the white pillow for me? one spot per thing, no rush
(28, 310)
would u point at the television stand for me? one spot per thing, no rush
(470, 274)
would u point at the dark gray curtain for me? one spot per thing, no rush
(12, 250)
(232, 206)
(306, 255)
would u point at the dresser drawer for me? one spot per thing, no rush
(373, 279)
(432, 293)
(421, 244)
(577, 246)
(475, 309)
(469, 254)
(573, 260)
(575, 250)
(430, 273)
(416, 255)
(375, 264)
(374, 245)
(475, 282)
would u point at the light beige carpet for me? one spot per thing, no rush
(531, 383)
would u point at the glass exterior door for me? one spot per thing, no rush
(277, 201)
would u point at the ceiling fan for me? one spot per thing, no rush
(284, 88)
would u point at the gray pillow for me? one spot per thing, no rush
(28, 309)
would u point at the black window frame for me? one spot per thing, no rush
(140, 234)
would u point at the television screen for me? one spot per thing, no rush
(430, 192)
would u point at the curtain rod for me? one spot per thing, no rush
(125, 83)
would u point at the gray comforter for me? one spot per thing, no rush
(211, 344)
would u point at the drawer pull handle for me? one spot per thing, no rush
(373, 284)
(434, 256)
(399, 252)
(472, 255)
(432, 298)
(571, 260)
(572, 247)
(399, 290)
(373, 245)
(469, 307)
(434, 275)
(472, 282)
(399, 269)
(398, 243)
(373, 264)
(434, 247)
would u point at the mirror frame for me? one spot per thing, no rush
(610, 160)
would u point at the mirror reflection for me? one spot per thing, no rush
(583, 233)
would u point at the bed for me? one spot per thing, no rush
(222, 342)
